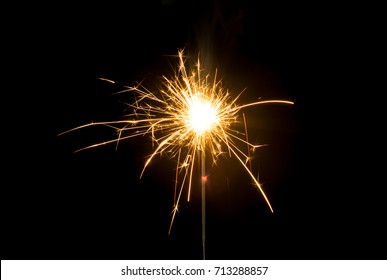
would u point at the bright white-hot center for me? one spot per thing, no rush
(202, 116)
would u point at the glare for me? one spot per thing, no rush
(202, 116)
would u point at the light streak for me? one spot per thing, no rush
(191, 116)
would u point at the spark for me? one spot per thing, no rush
(107, 80)
(191, 116)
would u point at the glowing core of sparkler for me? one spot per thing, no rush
(202, 116)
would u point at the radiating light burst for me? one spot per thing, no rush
(190, 116)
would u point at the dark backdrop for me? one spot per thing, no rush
(320, 169)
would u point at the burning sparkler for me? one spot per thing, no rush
(189, 118)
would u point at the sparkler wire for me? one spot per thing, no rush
(204, 179)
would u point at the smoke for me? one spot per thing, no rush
(217, 30)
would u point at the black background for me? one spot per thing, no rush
(320, 170)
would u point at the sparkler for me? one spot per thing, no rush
(191, 117)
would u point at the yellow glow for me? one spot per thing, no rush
(202, 116)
